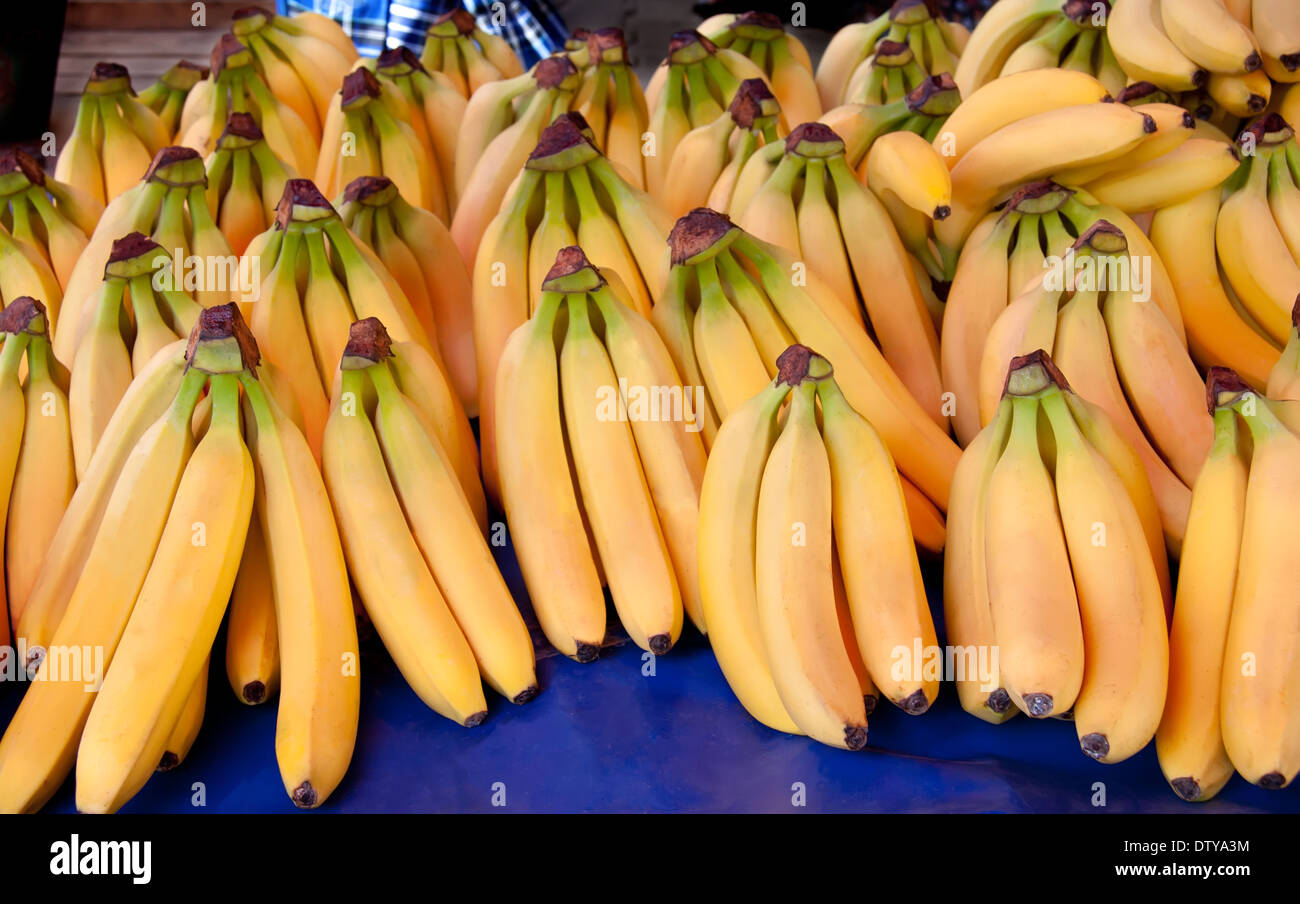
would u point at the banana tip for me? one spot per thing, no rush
(998, 701)
(254, 692)
(168, 762)
(477, 719)
(1187, 788)
(1273, 781)
(855, 736)
(587, 652)
(1038, 705)
(660, 644)
(1095, 745)
(526, 695)
(916, 703)
(305, 796)
(869, 702)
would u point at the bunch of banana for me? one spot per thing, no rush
(1027, 35)
(1006, 254)
(413, 544)
(114, 137)
(1209, 46)
(317, 278)
(501, 127)
(300, 58)
(234, 85)
(245, 181)
(845, 237)
(708, 160)
(1258, 228)
(136, 313)
(1071, 144)
(166, 97)
(1050, 563)
(1231, 704)
(853, 55)
(1122, 354)
(141, 567)
(436, 111)
(170, 206)
(808, 572)
(466, 54)
(418, 251)
(779, 55)
(587, 394)
(611, 101)
(733, 304)
(581, 199)
(138, 545)
(691, 88)
(910, 178)
(367, 133)
(43, 227)
(923, 110)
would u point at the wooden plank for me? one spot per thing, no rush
(193, 43)
(133, 14)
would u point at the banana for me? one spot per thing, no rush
(39, 746)
(319, 26)
(186, 731)
(1241, 95)
(1284, 198)
(847, 48)
(612, 102)
(79, 165)
(781, 58)
(793, 581)
(1126, 659)
(1260, 729)
(45, 476)
(615, 494)
(13, 407)
(319, 63)
(1207, 33)
(967, 615)
(41, 221)
(252, 638)
(1138, 38)
(316, 723)
(1276, 26)
(167, 639)
(907, 165)
(1282, 378)
(728, 359)
(877, 554)
(1191, 168)
(167, 96)
(545, 520)
(671, 452)
(1040, 639)
(460, 49)
(1189, 742)
(728, 509)
(400, 594)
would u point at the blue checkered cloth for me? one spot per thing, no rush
(532, 27)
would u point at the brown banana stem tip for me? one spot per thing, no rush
(998, 701)
(254, 692)
(564, 133)
(751, 97)
(359, 83)
(568, 261)
(14, 160)
(103, 72)
(1095, 745)
(248, 12)
(1142, 91)
(579, 36)
(696, 232)
(363, 187)
(227, 46)
(298, 193)
(1102, 236)
(1080, 12)
(1221, 381)
(304, 796)
(552, 71)
(762, 20)
(607, 40)
(813, 133)
(1025, 195)
(919, 98)
(242, 125)
(368, 339)
(1268, 130)
(1040, 359)
(168, 157)
(683, 39)
(222, 322)
(855, 737)
(900, 7)
(460, 17)
(1148, 124)
(23, 315)
(793, 363)
(131, 246)
(395, 57)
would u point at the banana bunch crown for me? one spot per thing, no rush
(1028, 35)
(245, 180)
(469, 56)
(879, 62)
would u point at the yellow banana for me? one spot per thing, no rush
(252, 638)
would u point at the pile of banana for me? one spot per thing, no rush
(250, 319)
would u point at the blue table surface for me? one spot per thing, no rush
(606, 737)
